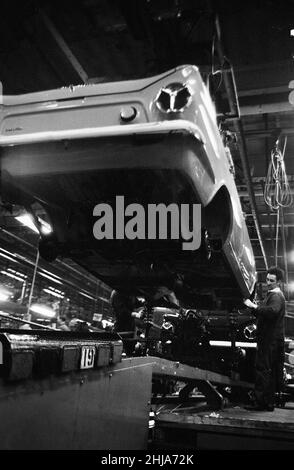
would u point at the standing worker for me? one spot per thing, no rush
(269, 362)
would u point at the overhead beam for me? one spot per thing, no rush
(266, 108)
(262, 134)
(264, 91)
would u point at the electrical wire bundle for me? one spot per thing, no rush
(277, 191)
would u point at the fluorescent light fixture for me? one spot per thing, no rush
(4, 295)
(8, 257)
(28, 221)
(13, 276)
(103, 299)
(8, 252)
(55, 290)
(45, 227)
(86, 295)
(51, 274)
(17, 273)
(50, 278)
(228, 344)
(55, 294)
(43, 310)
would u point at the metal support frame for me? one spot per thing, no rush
(200, 378)
(234, 108)
(214, 399)
(176, 370)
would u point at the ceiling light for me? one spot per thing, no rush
(239, 344)
(55, 290)
(17, 273)
(8, 257)
(86, 295)
(50, 278)
(8, 252)
(43, 310)
(45, 227)
(13, 276)
(103, 299)
(4, 295)
(291, 32)
(28, 221)
(55, 294)
(50, 274)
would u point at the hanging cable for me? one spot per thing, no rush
(277, 194)
(277, 191)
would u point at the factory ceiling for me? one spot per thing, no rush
(243, 49)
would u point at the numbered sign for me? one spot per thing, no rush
(88, 356)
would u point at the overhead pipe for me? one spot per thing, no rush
(231, 90)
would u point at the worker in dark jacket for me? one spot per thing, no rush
(269, 363)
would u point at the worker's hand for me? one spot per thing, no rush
(249, 303)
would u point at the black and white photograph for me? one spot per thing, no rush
(146, 229)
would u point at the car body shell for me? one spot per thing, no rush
(93, 130)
